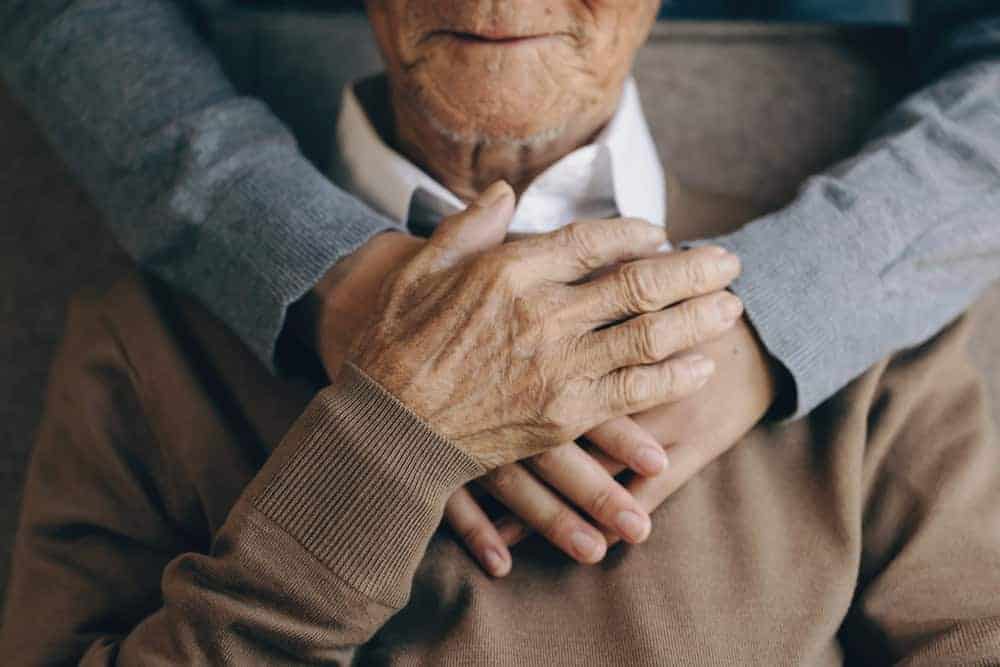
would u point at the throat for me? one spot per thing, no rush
(467, 164)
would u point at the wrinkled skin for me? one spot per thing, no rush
(504, 351)
(484, 90)
(511, 117)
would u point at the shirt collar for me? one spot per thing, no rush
(618, 174)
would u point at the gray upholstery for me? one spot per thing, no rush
(742, 109)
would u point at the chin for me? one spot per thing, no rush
(512, 100)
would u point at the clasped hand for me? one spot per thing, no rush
(662, 307)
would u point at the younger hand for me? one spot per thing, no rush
(695, 430)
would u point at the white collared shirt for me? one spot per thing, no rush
(619, 174)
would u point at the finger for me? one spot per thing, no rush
(577, 250)
(513, 530)
(625, 441)
(638, 388)
(687, 460)
(481, 226)
(649, 285)
(475, 529)
(653, 337)
(575, 475)
(539, 507)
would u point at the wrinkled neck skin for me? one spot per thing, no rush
(467, 164)
(468, 167)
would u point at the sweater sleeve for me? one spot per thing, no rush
(315, 555)
(201, 186)
(883, 250)
(321, 549)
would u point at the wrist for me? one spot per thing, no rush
(343, 286)
(778, 385)
(351, 280)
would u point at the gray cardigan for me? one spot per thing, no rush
(207, 188)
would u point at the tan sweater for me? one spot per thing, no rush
(179, 511)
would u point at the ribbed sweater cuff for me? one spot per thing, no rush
(278, 229)
(785, 288)
(366, 486)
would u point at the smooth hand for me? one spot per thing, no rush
(695, 431)
(342, 303)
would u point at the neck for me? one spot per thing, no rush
(467, 166)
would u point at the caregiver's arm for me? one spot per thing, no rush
(883, 250)
(202, 186)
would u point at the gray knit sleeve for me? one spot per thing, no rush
(883, 250)
(203, 187)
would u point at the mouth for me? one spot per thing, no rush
(496, 39)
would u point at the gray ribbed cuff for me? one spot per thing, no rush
(789, 278)
(270, 241)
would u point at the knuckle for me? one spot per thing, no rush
(558, 523)
(631, 232)
(667, 379)
(693, 323)
(697, 275)
(601, 504)
(648, 340)
(637, 387)
(677, 379)
(583, 239)
(638, 287)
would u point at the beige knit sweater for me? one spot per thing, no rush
(179, 510)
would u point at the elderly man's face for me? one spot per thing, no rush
(509, 70)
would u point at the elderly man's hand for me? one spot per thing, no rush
(509, 350)
(349, 295)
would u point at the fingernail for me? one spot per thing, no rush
(495, 562)
(729, 264)
(650, 461)
(716, 250)
(585, 546)
(631, 525)
(730, 307)
(494, 194)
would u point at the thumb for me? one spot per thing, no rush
(481, 226)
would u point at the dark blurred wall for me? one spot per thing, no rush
(850, 11)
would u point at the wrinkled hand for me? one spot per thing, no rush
(343, 302)
(466, 309)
